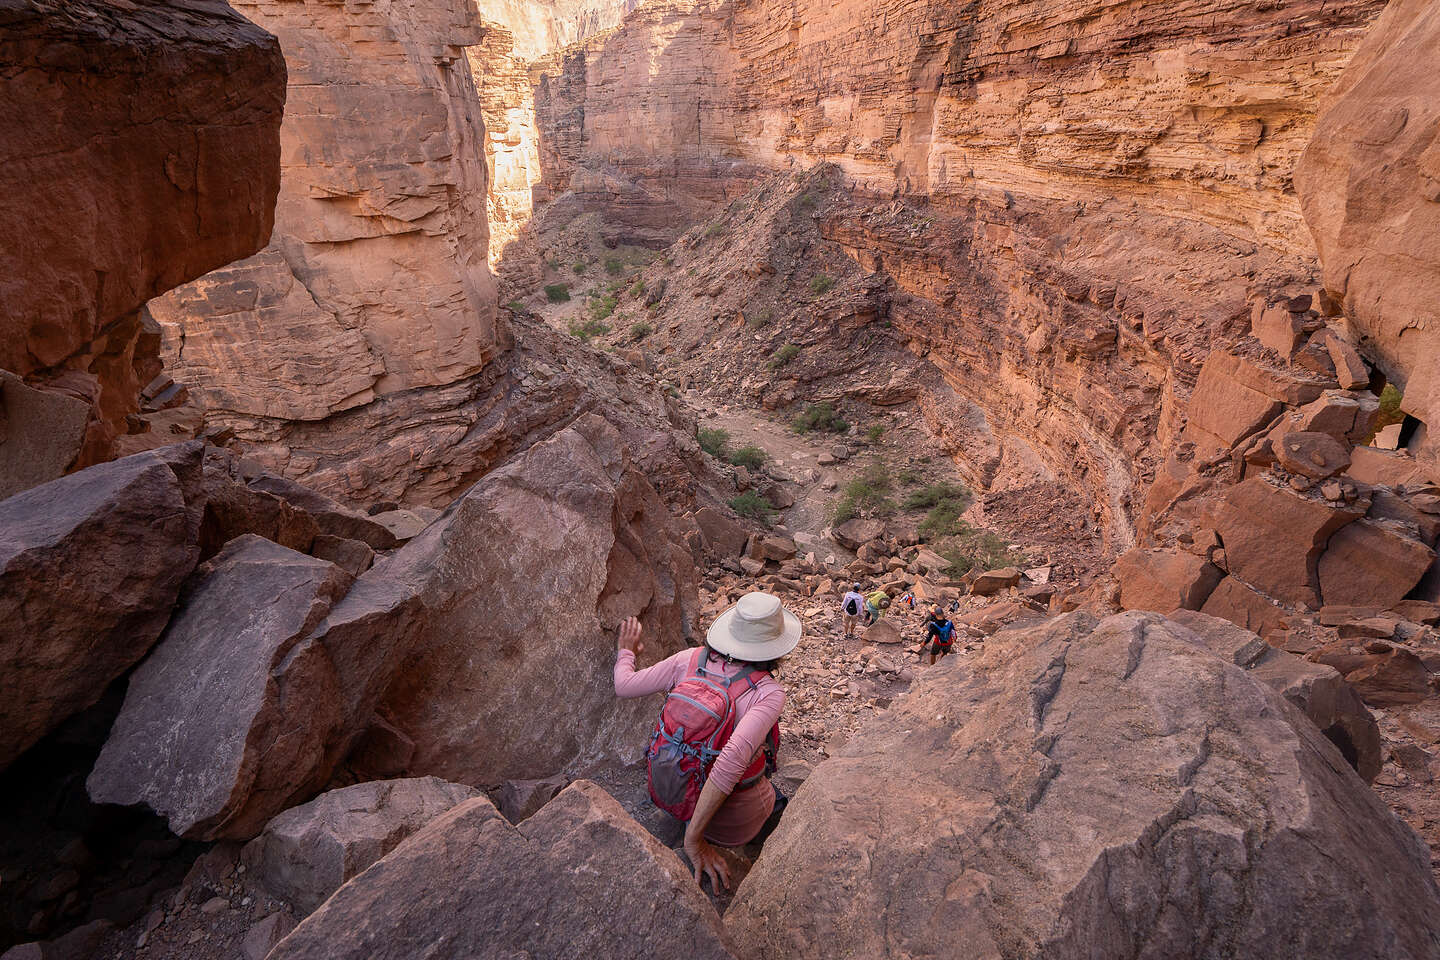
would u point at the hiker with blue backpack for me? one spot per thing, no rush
(713, 747)
(939, 635)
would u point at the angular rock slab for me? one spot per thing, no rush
(520, 587)
(222, 722)
(90, 565)
(1085, 790)
(580, 878)
(306, 853)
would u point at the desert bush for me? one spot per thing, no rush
(749, 456)
(579, 266)
(819, 416)
(820, 283)
(975, 549)
(715, 230)
(760, 318)
(585, 329)
(908, 477)
(938, 494)
(714, 441)
(874, 433)
(751, 504)
(784, 355)
(614, 266)
(515, 306)
(557, 292)
(602, 307)
(638, 290)
(640, 330)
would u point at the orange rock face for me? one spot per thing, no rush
(1370, 186)
(138, 149)
(375, 281)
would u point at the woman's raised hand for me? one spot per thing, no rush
(630, 636)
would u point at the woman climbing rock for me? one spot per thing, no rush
(713, 749)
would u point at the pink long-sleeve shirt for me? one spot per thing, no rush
(743, 813)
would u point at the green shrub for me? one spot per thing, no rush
(602, 307)
(808, 201)
(751, 504)
(843, 509)
(760, 318)
(937, 494)
(820, 284)
(640, 330)
(715, 230)
(908, 477)
(557, 292)
(871, 488)
(875, 433)
(714, 441)
(942, 521)
(587, 328)
(784, 355)
(638, 290)
(515, 306)
(578, 266)
(819, 416)
(614, 266)
(1390, 411)
(750, 457)
(972, 549)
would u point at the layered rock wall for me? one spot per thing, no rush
(1370, 186)
(375, 282)
(138, 149)
(1087, 193)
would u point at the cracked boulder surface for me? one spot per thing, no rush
(1089, 789)
(579, 878)
(140, 148)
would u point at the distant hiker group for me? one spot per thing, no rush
(858, 609)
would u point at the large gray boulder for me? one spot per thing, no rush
(1083, 791)
(1317, 690)
(90, 566)
(223, 722)
(487, 627)
(306, 853)
(580, 878)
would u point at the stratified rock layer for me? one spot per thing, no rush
(1076, 203)
(375, 281)
(1369, 183)
(579, 878)
(139, 148)
(1084, 791)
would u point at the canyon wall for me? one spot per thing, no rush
(1074, 202)
(138, 149)
(375, 282)
(540, 26)
(1370, 186)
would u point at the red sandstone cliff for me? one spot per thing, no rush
(138, 149)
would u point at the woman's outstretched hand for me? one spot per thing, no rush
(630, 636)
(705, 860)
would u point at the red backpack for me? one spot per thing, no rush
(694, 726)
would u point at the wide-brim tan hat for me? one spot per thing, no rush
(756, 628)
